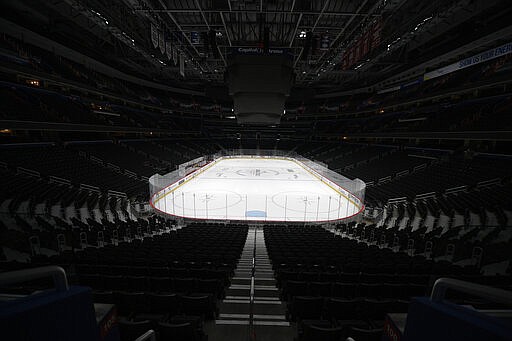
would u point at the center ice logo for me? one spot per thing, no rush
(257, 172)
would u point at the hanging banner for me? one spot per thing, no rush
(470, 61)
(375, 34)
(182, 65)
(175, 56)
(362, 45)
(161, 41)
(154, 35)
(325, 43)
(168, 50)
(194, 37)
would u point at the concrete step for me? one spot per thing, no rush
(266, 293)
(264, 275)
(229, 301)
(233, 316)
(241, 280)
(238, 292)
(232, 322)
(259, 298)
(265, 287)
(265, 281)
(264, 317)
(272, 323)
(256, 323)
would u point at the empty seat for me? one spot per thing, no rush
(183, 285)
(103, 297)
(94, 281)
(159, 308)
(344, 290)
(178, 332)
(295, 288)
(115, 282)
(202, 306)
(414, 290)
(131, 330)
(314, 333)
(161, 271)
(288, 275)
(345, 312)
(374, 311)
(163, 304)
(322, 289)
(160, 284)
(371, 290)
(209, 286)
(137, 283)
(328, 276)
(361, 334)
(395, 290)
(306, 308)
(309, 276)
(129, 303)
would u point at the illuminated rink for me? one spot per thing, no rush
(256, 189)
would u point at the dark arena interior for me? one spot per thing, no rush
(244, 170)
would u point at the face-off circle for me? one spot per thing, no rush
(300, 201)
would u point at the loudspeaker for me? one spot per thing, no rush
(307, 45)
(206, 42)
(266, 38)
(213, 43)
(314, 44)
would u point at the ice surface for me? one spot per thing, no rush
(256, 189)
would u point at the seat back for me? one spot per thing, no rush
(210, 286)
(322, 289)
(177, 332)
(314, 333)
(163, 304)
(130, 330)
(160, 284)
(183, 285)
(340, 309)
(365, 334)
(307, 307)
(130, 302)
(197, 305)
(296, 288)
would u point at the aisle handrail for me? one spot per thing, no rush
(56, 272)
(483, 291)
(149, 335)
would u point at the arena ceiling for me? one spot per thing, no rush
(334, 44)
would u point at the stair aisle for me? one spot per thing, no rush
(268, 312)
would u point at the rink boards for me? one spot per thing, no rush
(272, 189)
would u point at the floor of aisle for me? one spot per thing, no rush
(268, 312)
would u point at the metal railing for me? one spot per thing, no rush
(442, 284)
(149, 335)
(56, 272)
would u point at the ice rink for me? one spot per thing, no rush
(256, 189)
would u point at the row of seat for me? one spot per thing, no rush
(291, 289)
(350, 277)
(214, 287)
(177, 331)
(337, 319)
(202, 272)
(359, 312)
(158, 307)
